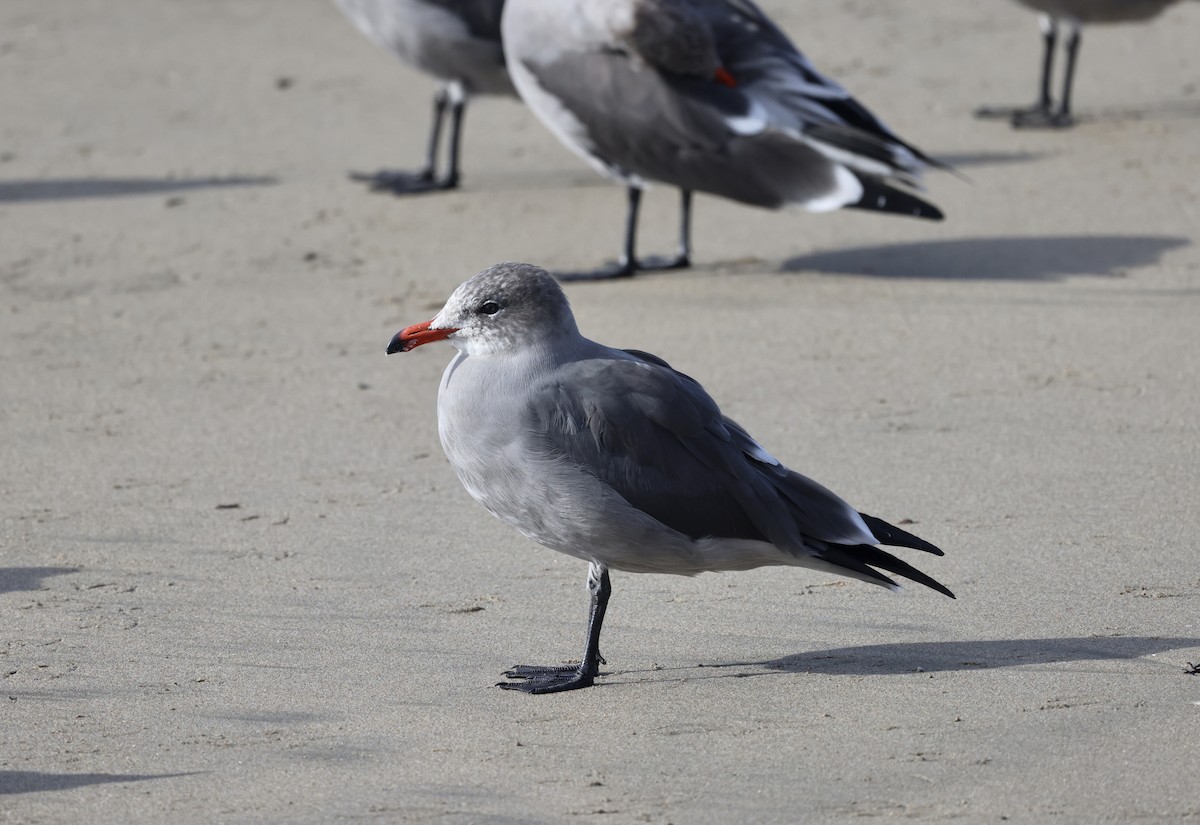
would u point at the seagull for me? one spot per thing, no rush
(613, 457)
(1071, 15)
(456, 41)
(707, 96)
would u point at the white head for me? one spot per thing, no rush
(505, 308)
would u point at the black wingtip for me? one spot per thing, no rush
(864, 558)
(866, 554)
(879, 197)
(942, 166)
(893, 535)
(868, 557)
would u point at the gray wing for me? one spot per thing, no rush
(656, 438)
(696, 133)
(757, 52)
(482, 17)
(676, 129)
(760, 55)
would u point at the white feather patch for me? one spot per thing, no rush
(753, 122)
(847, 189)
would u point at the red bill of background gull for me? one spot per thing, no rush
(612, 457)
(706, 95)
(1071, 14)
(456, 41)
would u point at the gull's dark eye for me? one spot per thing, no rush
(488, 308)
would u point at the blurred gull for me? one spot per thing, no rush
(613, 457)
(1071, 14)
(456, 41)
(705, 95)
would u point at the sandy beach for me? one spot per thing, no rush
(240, 583)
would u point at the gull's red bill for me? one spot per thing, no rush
(416, 335)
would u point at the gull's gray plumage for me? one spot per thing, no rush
(455, 41)
(1072, 15)
(615, 458)
(1100, 11)
(705, 95)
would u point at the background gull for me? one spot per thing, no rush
(456, 41)
(705, 95)
(613, 457)
(1071, 14)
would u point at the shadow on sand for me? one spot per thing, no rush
(1160, 110)
(18, 579)
(962, 160)
(994, 259)
(13, 782)
(13, 191)
(897, 659)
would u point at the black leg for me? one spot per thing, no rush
(554, 679)
(1050, 35)
(399, 182)
(683, 256)
(1064, 109)
(1039, 111)
(628, 260)
(1047, 118)
(440, 101)
(629, 263)
(457, 109)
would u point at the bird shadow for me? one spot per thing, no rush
(959, 160)
(1161, 110)
(1157, 111)
(14, 191)
(913, 657)
(14, 782)
(531, 179)
(18, 579)
(1030, 258)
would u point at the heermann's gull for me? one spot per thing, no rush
(1072, 14)
(613, 457)
(708, 96)
(456, 41)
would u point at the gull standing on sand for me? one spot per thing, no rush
(456, 41)
(1071, 14)
(613, 457)
(708, 96)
